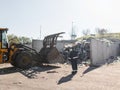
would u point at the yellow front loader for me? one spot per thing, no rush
(24, 57)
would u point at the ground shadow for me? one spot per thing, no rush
(30, 73)
(89, 69)
(9, 70)
(65, 79)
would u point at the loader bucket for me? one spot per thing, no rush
(49, 52)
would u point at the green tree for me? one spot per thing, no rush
(25, 40)
(15, 39)
(101, 31)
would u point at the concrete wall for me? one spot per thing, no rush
(37, 44)
(60, 45)
(101, 51)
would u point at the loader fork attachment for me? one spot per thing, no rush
(51, 40)
(49, 52)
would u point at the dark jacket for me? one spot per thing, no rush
(73, 55)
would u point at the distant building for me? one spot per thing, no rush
(110, 35)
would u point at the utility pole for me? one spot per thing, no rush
(40, 32)
(73, 34)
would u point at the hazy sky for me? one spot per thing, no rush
(24, 17)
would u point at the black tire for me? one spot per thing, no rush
(23, 60)
(13, 59)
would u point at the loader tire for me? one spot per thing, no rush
(13, 61)
(24, 60)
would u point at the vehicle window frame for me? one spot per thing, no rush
(4, 39)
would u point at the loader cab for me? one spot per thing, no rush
(3, 45)
(3, 38)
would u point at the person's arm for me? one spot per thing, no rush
(69, 56)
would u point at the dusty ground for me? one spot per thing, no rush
(58, 77)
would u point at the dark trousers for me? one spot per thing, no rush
(74, 64)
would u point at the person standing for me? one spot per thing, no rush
(73, 56)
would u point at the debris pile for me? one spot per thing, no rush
(83, 49)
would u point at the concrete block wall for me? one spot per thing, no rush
(37, 44)
(101, 51)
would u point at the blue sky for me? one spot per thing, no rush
(24, 17)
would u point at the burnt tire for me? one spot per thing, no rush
(23, 60)
(52, 55)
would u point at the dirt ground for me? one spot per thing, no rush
(58, 77)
